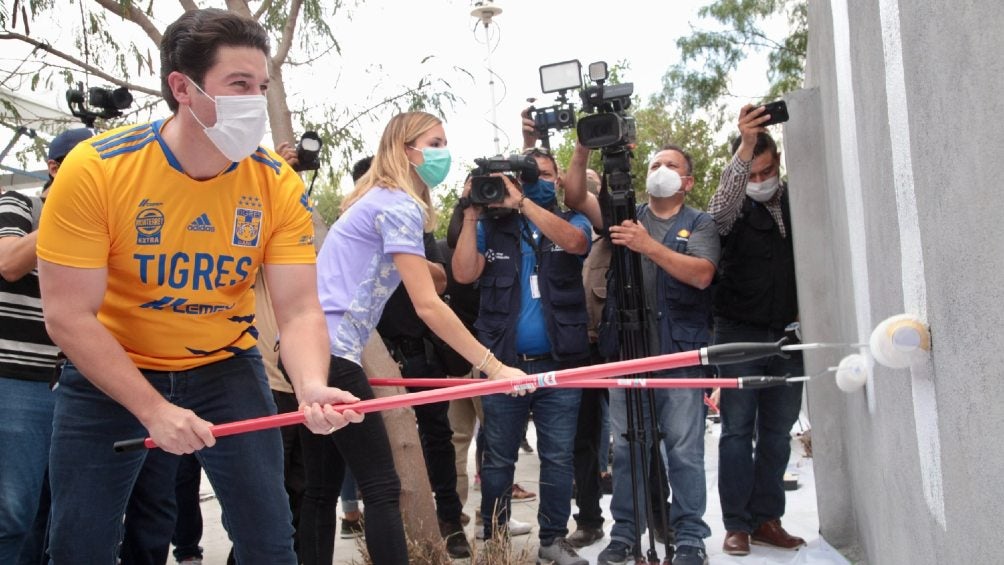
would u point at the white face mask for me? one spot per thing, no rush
(663, 182)
(241, 122)
(763, 191)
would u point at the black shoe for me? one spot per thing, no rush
(457, 545)
(352, 529)
(456, 541)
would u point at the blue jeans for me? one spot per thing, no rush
(91, 483)
(681, 419)
(151, 512)
(751, 479)
(25, 428)
(555, 414)
(188, 527)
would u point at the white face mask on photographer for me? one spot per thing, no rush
(241, 122)
(663, 182)
(763, 191)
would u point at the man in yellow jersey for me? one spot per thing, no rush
(148, 251)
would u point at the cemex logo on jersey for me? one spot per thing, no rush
(201, 223)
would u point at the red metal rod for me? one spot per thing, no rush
(592, 383)
(616, 368)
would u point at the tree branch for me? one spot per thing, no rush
(282, 51)
(188, 5)
(130, 12)
(262, 9)
(239, 7)
(85, 66)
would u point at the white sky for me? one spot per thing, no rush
(385, 41)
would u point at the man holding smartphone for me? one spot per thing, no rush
(755, 300)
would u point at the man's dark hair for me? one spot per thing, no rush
(191, 43)
(361, 167)
(764, 142)
(681, 151)
(539, 152)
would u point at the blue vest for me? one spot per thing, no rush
(562, 296)
(683, 313)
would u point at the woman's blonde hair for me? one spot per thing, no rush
(391, 167)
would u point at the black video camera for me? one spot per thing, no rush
(609, 125)
(110, 102)
(560, 78)
(488, 189)
(308, 152)
(553, 117)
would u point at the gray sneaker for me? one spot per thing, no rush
(559, 552)
(617, 553)
(690, 555)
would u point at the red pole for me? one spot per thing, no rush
(616, 368)
(593, 383)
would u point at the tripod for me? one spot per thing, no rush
(617, 204)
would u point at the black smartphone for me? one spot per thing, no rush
(778, 112)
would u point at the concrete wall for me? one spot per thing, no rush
(894, 155)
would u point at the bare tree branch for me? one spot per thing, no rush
(263, 8)
(188, 5)
(85, 66)
(282, 51)
(130, 12)
(239, 7)
(313, 59)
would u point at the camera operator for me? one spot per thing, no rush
(680, 250)
(755, 300)
(532, 314)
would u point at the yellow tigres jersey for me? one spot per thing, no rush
(181, 254)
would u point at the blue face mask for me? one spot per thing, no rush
(435, 165)
(541, 192)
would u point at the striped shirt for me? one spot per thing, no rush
(727, 201)
(26, 352)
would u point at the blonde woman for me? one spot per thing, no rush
(375, 245)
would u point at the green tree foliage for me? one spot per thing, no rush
(701, 81)
(104, 50)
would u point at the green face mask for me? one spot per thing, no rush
(435, 167)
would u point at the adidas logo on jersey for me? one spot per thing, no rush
(201, 223)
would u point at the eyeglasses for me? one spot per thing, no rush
(541, 151)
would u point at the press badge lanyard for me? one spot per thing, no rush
(530, 237)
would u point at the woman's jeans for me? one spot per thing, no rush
(365, 448)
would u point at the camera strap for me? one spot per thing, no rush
(527, 234)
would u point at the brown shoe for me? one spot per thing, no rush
(771, 533)
(584, 537)
(737, 543)
(520, 494)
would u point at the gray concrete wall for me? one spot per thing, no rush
(907, 469)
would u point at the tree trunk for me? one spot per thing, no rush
(417, 506)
